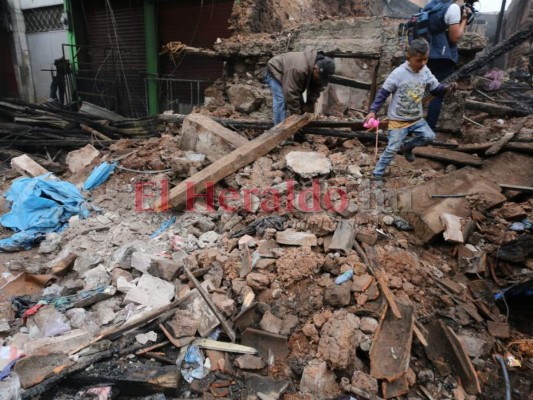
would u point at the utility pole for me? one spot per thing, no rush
(499, 26)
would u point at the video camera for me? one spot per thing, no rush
(471, 11)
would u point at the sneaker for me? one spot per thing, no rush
(407, 153)
(376, 178)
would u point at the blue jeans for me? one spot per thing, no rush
(422, 135)
(278, 99)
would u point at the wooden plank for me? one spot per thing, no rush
(24, 165)
(381, 277)
(452, 285)
(512, 146)
(495, 109)
(140, 321)
(465, 369)
(344, 236)
(449, 357)
(232, 162)
(391, 347)
(133, 378)
(453, 231)
(448, 156)
(225, 324)
(525, 189)
(224, 346)
(341, 80)
(496, 147)
(35, 369)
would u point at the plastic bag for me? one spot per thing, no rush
(99, 175)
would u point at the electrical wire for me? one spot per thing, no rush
(505, 376)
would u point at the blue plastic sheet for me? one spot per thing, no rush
(39, 206)
(164, 226)
(193, 365)
(99, 175)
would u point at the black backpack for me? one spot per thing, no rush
(417, 26)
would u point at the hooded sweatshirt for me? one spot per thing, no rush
(294, 71)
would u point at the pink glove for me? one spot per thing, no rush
(372, 123)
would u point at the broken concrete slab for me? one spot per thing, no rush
(338, 295)
(200, 133)
(77, 160)
(25, 165)
(452, 228)
(245, 98)
(141, 261)
(423, 212)
(184, 323)
(308, 164)
(249, 361)
(319, 381)
(196, 305)
(294, 238)
(271, 323)
(344, 236)
(151, 291)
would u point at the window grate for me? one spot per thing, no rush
(43, 19)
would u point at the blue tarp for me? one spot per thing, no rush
(39, 206)
(99, 175)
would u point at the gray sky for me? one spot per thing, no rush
(491, 5)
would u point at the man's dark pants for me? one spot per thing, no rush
(441, 68)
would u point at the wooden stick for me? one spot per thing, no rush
(119, 330)
(380, 277)
(472, 121)
(94, 132)
(232, 162)
(225, 325)
(150, 348)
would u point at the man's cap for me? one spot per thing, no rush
(326, 68)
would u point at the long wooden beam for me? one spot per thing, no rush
(232, 162)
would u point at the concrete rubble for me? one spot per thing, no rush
(305, 262)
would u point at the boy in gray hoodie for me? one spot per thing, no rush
(407, 84)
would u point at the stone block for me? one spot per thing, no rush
(151, 291)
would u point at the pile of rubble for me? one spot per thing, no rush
(298, 278)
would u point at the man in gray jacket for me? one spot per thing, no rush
(291, 74)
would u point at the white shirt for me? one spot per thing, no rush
(453, 14)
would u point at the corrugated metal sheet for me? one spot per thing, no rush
(117, 54)
(197, 23)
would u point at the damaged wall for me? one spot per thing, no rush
(518, 16)
(252, 16)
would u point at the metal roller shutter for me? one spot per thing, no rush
(116, 55)
(198, 24)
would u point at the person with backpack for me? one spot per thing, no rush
(289, 75)
(447, 24)
(407, 84)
